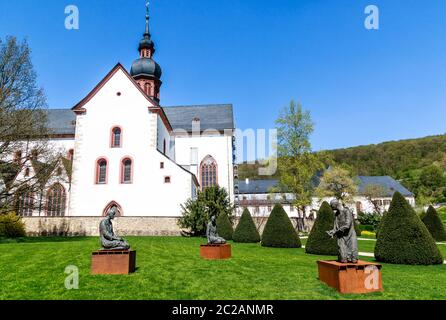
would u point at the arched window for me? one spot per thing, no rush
(56, 201)
(208, 172)
(120, 212)
(116, 139)
(25, 203)
(126, 170)
(101, 171)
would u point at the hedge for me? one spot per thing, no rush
(404, 239)
(279, 231)
(434, 224)
(224, 226)
(319, 242)
(246, 231)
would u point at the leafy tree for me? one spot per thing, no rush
(246, 231)
(434, 224)
(23, 123)
(403, 238)
(371, 193)
(279, 231)
(319, 242)
(224, 226)
(213, 201)
(338, 182)
(297, 164)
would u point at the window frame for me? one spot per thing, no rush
(113, 137)
(98, 171)
(122, 170)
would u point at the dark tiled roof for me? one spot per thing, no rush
(61, 121)
(389, 184)
(257, 186)
(218, 117)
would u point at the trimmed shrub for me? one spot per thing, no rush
(11, 226)
(224, 226)
(279, 231)
(357, 228)
(434, 224)
(403, 238)
(319, 242)
(246, 231)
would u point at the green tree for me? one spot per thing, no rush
(246, 231)
(319, 242)
(196, 212)
(403, 238)
(297, 164)
(434, 224)
(338, 182)
(279, 231)
(224, 226)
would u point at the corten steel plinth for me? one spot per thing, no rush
(113, 262)
(216, 251)
(358, 278)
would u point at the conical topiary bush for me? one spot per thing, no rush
(434, 224)
(224, 226)
(319, 242)
(279, 231)
(246, 231)
(403, 238)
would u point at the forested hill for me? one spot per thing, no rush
(395, 158)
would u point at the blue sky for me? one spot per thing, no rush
(361, 86)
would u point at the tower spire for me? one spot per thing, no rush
(147, 18)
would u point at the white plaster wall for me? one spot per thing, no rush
(218, 146)
(163, 134)
(148, 195)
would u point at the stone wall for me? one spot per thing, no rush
(123, 226)
(89, 226)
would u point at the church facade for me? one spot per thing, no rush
(123, 148)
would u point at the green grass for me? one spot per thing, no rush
(171, 268)
(442, 213)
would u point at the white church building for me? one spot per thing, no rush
(124, 148)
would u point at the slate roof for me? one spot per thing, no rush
(218, 117)
(61, 121)
(389, 184)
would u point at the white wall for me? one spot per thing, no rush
(218, 146)
(148, 195)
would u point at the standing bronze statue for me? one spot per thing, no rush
(212, 234)
(109, 240)
(344, 231)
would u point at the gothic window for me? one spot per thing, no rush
(116, 137)
(126, 171)
(208, 171)
(25, 203)
(101, 171)
(56, 201)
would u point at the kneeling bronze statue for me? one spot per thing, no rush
(212, 234)
(109, 240)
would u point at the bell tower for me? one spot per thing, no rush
(146, 72)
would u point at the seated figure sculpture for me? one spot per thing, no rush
(109, 240)
(211, 233)
(344, 231)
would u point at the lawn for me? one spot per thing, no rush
(171, 268)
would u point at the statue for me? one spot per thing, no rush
(344, 231)
(211, 233)
(108, 238)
